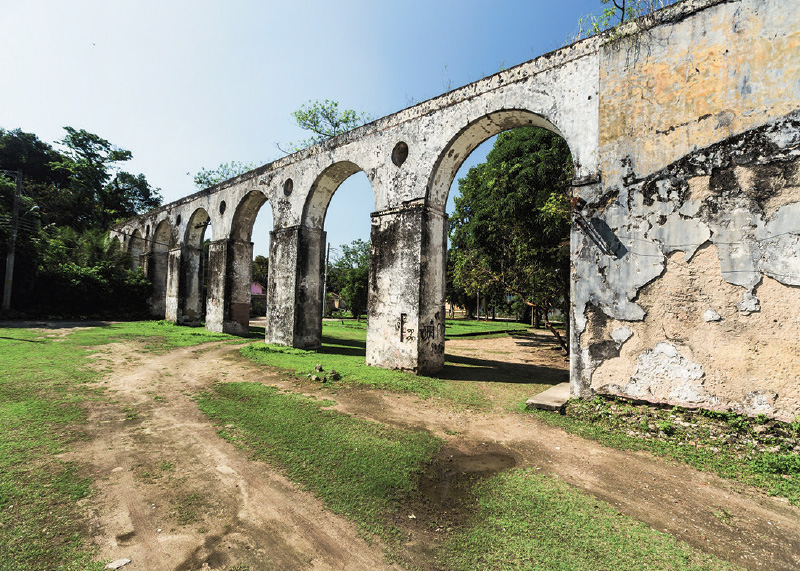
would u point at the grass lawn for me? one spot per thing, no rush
(360, 469)
(370, 473)
(761, 454)
(463, 327)
(43, 381)
(517, 519)
(344, 349)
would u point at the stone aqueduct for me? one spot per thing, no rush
(685, 136)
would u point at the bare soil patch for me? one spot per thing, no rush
(172, 495)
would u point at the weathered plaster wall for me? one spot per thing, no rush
(688, 84)
(687, 256)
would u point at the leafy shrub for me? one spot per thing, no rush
(103, 290)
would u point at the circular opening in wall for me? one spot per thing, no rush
(399, 154)
(178, 220)
(222, 206)
(288, 187)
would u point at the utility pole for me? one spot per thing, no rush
(325, 284)
(12, 242)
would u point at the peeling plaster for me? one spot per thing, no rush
(653, 218)
(621, 334)
(663, 370)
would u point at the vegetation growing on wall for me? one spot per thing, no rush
(617, 12)
(324, 120)
(209, 177)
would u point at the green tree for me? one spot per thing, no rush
(349, 276)
(510, 229)
(324, 120)
(63, 244)
(101, 192)
(42, 184)
(261, 270)
(206, 178)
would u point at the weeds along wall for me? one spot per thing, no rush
(686, 258)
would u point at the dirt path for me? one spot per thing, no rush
(172, 495)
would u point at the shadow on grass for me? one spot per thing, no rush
(538, 341)
(27, 340)
(461, 368)
(464, 368)
(52, 324)
(345, 342)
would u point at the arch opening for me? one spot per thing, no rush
(323, 189)
(135, 249)
(193, 285)
(517, 249)
(334, 234)
(247, 264)
(158, 267)
(468, 139)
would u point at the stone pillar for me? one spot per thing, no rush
(239, 276)
(308, 297)
(172, 294)
(230, 266)
(215, 301)
(294, 288)
(156, 271)
(281, 285)
(406, 289)
(144, 263)
(191, 298)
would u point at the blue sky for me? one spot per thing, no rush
(186, 85)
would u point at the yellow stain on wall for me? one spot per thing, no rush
(685, 86)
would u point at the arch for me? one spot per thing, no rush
(115, 244)
(158, 266)
(194, 264)
(245, 216)
(196, 228)
(319, 197)
(163, 240)
(303, 247)
(136, 249)
(237, 253)
(468, 139)
(434, 226)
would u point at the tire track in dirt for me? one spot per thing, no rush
(252, 515)
(152, 450)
